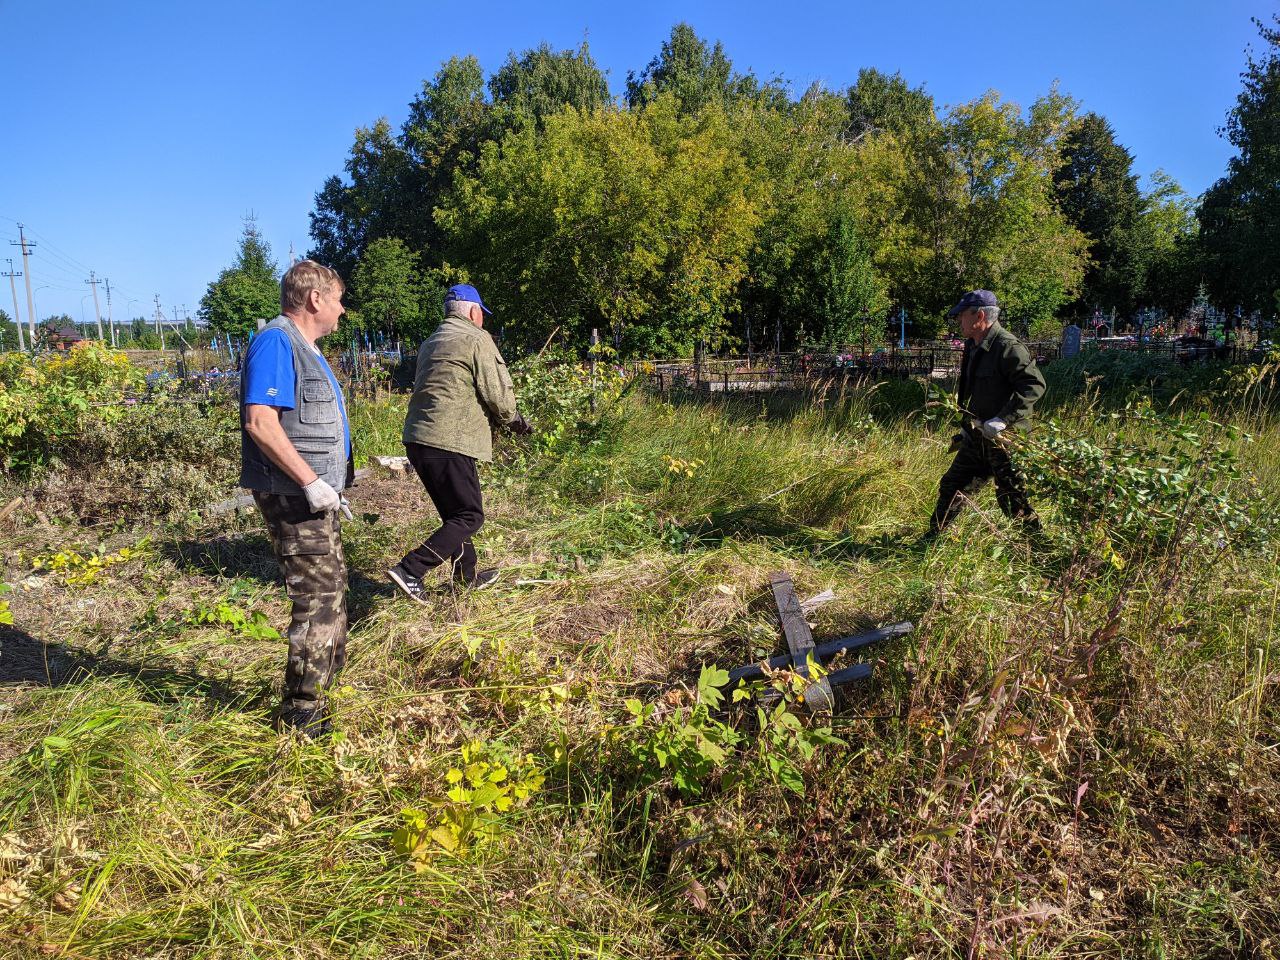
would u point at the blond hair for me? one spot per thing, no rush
(303, 277)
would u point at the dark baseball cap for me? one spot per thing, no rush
(465, 291)
(974, 298)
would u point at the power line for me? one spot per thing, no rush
(65, 262)
(53, 248)
(36, 278)
(58, 259)
(54, 265)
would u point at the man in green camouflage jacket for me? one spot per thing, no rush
(461, 391)
(999, 385)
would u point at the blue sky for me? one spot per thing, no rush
(136, 135)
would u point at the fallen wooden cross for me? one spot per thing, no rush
(819, 695)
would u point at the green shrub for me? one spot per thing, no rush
(556, 394)
(1154, 480)
(166, 429)
(45, 402)
(1119, 376)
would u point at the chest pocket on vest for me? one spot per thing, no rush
(319, 403)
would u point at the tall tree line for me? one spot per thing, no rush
(706, 204)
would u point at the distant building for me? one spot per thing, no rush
(63, 337)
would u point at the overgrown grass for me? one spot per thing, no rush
(1068, 757)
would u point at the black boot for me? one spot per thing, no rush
(312, 722)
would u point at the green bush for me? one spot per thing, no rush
(1118, 376)
(1154, 480)
(168, 428)
(556, 394)
(45, 402)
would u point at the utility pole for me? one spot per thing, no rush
(159, 328)
(177, 330)
(93, 282)
(110, 322)
(13, 288)
(291, 256)
(26, 269)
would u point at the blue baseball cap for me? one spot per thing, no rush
(974, 298)
(465, 291)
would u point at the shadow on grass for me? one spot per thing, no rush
(30, 661)
(888, 400)
(250, 557)
(763, 522)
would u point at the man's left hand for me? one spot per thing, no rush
(993, 428)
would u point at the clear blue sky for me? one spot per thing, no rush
(136, 135)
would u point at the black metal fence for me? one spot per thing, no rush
(935, 360)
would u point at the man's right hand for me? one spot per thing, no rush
(321, 497)
(520, 426)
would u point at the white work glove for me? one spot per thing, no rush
(344, 507)
(993, 428)
(321, 497)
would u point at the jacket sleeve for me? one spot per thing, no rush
(493, 384)
(1027, 381)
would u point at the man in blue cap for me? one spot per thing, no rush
(461, 390)
(999, 385)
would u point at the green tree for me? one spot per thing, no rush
(543, 81)
(8, 332)
(245, 292)
(695, 74)
(883, 103)
(853, 296)
(1240, 214)
(395, 180)
(1098, 192)
(387, 291)
(374, 203)
(637, 221)
(970, 202)
(799, 173)
(1169, 233)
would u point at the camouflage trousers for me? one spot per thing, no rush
(309, 548)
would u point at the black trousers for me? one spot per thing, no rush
(976, 460)
(454, 487)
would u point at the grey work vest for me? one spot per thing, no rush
(314, 425)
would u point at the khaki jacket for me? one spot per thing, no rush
(460, 391)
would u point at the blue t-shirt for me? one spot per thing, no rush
(269, 380)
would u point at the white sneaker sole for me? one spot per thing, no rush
(399, 581)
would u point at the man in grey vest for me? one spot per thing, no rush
(296, 459)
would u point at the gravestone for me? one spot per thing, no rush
(1070, 341)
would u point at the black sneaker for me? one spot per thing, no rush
(409, 585)
(483, 578)
(313, 724)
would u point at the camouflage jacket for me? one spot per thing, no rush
(460, 391)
